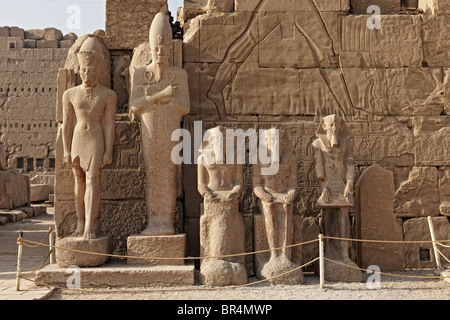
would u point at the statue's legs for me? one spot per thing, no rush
(80, 190)
(92, 200)
(272, 230)
(336, 223)
(161, 172)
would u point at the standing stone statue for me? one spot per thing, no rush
(221, 225)
(277, 193)
(88, 130)
(89, 114)
(333, 155)
(160, 98)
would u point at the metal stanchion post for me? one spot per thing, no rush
(52, 244)
(433, 238)
(19, 259)
(321, 262)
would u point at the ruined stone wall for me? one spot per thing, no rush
(289, 63)
(29, 62)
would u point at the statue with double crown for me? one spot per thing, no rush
(160, 98)
(334, 164)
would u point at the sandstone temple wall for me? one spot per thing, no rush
(29, 63)
(259, 64)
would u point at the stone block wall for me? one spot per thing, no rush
(290, 63)
(29, 63)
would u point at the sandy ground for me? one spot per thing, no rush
(391, 288)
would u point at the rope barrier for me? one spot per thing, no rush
(168, 258)
(384, 241)
(442, 245)
(33, 244)
(37, 244)
(386, 274)
(442, 255)
(175, 290)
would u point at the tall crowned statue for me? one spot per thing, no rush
(160, 98)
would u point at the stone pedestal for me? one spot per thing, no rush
(117, 273)
(65, 258)
(222, 233)
(164, 246)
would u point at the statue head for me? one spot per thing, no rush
(90, 58)
(160, 37)
(331, 127)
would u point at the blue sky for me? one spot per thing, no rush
(40, 14)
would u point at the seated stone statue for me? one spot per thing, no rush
(277, 193)
(221, 225)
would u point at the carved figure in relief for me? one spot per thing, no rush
(160, 98)
(322, 48)
(89, 114)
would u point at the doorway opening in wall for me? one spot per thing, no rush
(19, 164)
(425, 255)
(30, 166)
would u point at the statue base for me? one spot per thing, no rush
(118, 274)
(277, 266)
(65, 258)
(221, 273)
(161, 246)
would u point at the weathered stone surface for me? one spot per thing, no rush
(397, 44)
(14, 190)
(435, 7)
(53, 34)
(444, 191)
(127, 23)
(118, 273)
(17, 32)
(67, 258)
(39, 192)
(416, 193)
(430, 132)
(422, 255)
(436, 40)
(376, 220)
(4, 32)
(13, 215)
(386, 6)
(300, 6)
(35, 34)
(415, 91)
(172, 247)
